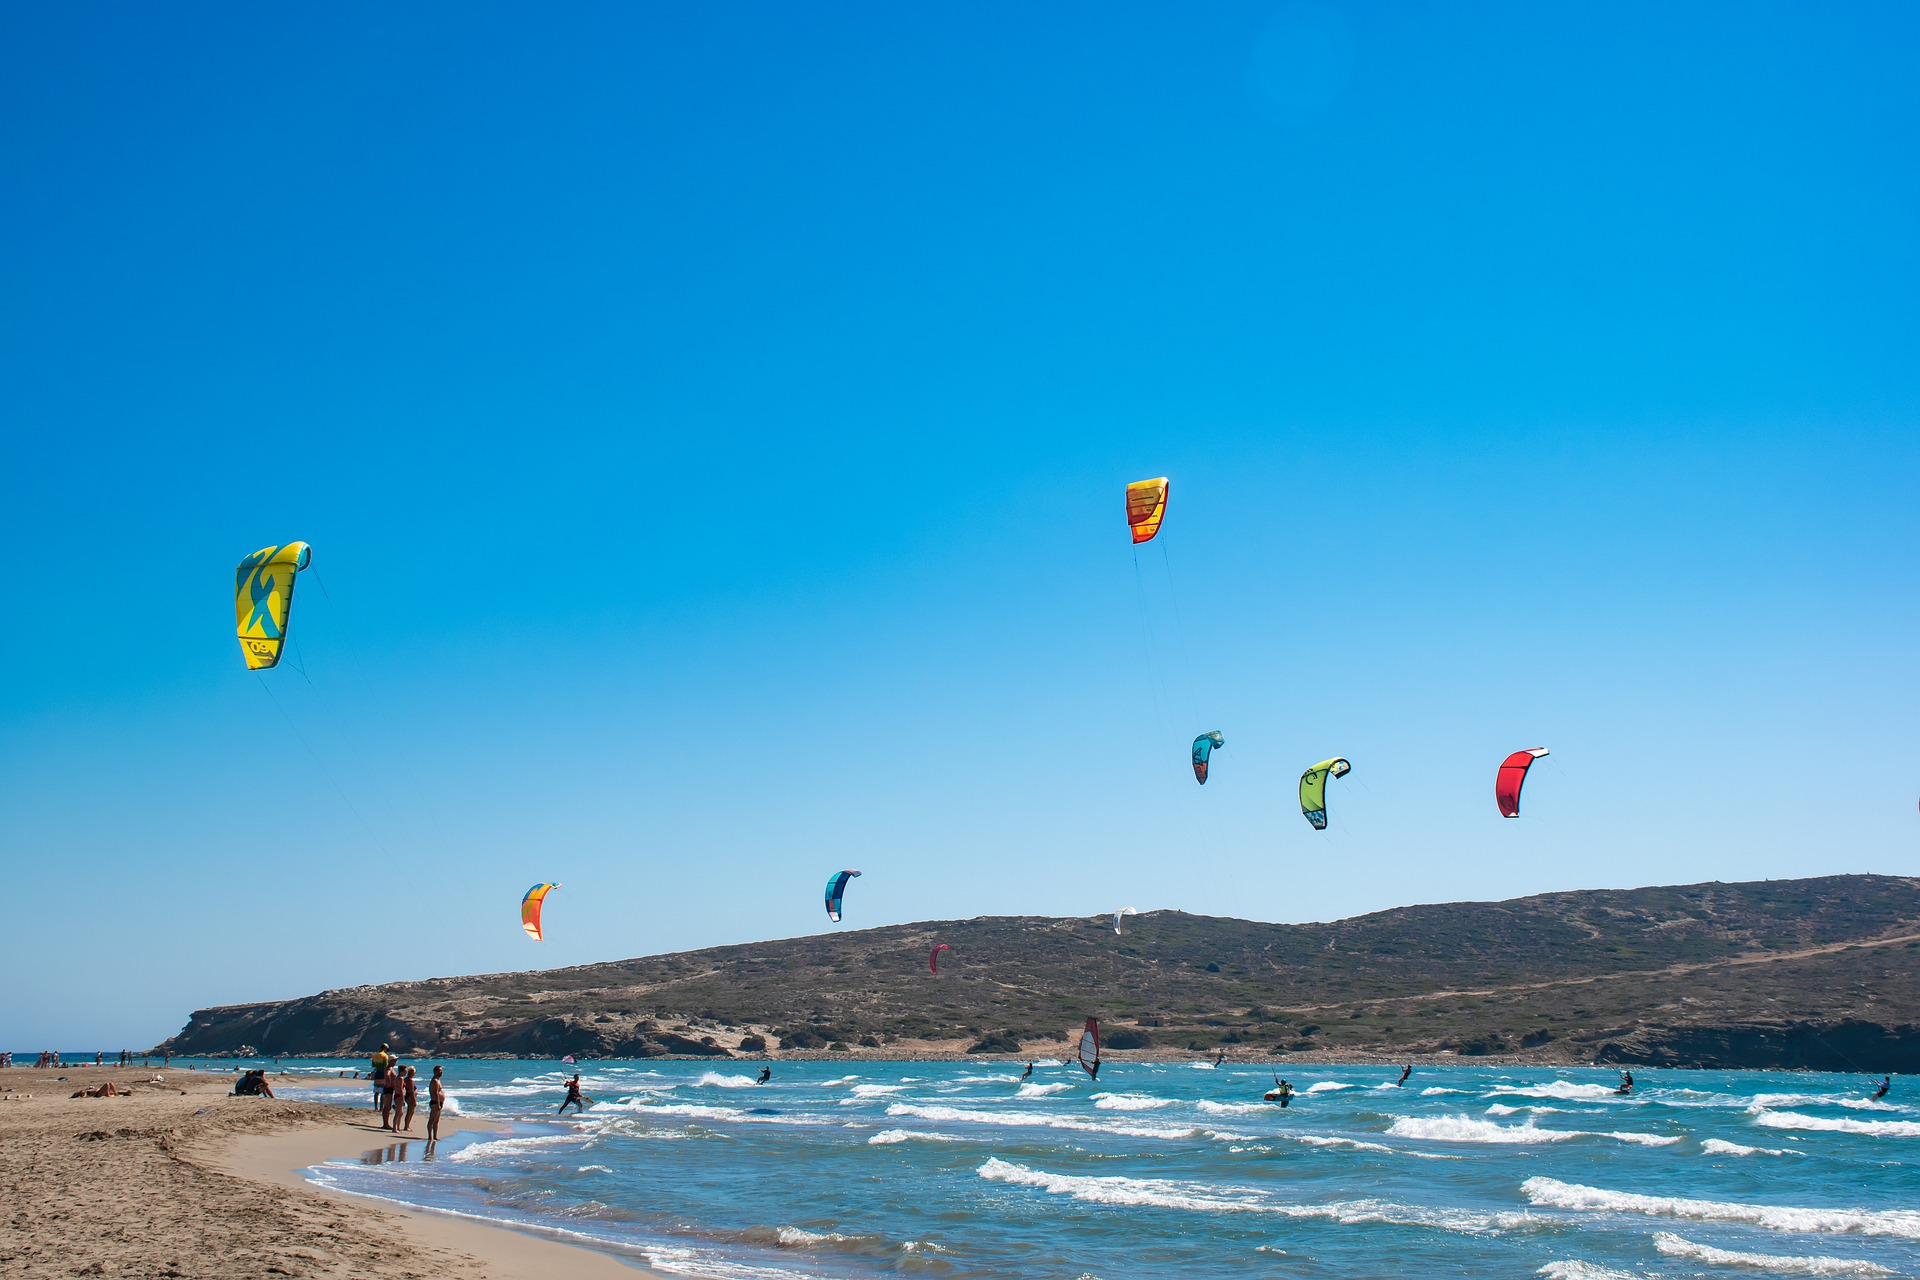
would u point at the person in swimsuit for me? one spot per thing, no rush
(1881, 1092)
(1405, 1073)
(1626, 1082)
(410, 1094)
(573, 1096)
(382, 1062)
(766, 1074)
(1028, 1073)
(436, 1099)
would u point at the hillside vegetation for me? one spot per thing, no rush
(1820, 972)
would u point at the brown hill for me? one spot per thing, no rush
(1786, 973)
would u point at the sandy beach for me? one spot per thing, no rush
(179, 1180)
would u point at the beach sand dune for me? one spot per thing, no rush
(179, 1180)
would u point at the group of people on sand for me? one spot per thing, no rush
(397, 1094)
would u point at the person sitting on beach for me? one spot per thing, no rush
(436, 1099)
(766, 1074)
(253, 1085)
(410, 1093)
(573, 1096)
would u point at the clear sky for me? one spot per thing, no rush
(711, 421)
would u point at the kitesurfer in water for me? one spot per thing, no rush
(573, 1096)
(1626, 1082)
(766, 1074)
(1885, 1084)
(1405, 1072)
(1028, 1073)
(1220, 1057)
(1282, 1092)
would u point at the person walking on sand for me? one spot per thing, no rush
(573, 1096)
(436, 1099)
(410, 1094)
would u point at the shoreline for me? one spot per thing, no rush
(172, 1176)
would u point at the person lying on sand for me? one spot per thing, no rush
(104, 1091)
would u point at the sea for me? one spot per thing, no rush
(854, 1169)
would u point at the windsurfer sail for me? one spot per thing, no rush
(1090, 1048)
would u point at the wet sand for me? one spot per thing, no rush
(179, 1180)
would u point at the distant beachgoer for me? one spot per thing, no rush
(436, 1099)
(411, 1095)
(1405, 1073)
(1881, 1092)
(1028, 1073)
(766, 1074)
(573, 1096)
(381, 1063)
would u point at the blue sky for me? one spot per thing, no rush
(711, 425)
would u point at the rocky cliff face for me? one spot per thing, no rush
(1802, 973)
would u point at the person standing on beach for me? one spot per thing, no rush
(411, 1096)
(381, 1062)
(573, 1096)
(436, 1099)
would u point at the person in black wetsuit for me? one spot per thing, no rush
(1626, 1082)
(1028, 1073)
(766, 1074)
(1405, 1073)
(1885, 1084)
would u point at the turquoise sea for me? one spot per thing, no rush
(940, 1169)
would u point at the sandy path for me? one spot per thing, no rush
(179, 1180)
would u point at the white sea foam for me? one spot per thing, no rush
(593, 1168)
(1468, 1129)
(1874, 1128)
(1040, 1090)
(1575, 1269)
(801, 1238)
(1904, 1223)
(877, 1090)
(1326, 1086)
(828, 1084)
(1234, 1108)
(887, 1137)
(1434, 1090)
(1674, 1247)
(1201, 1066)
(1718, 1147)
(1043, 1120)
(1562, 1089)
(1460, 1128)
(497, 1147)
(1206, 1198)
(714, 1080)
(1501, 1109)
(1129, 1102)
(1001, 1077)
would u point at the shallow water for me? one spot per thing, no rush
(858, 1169)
